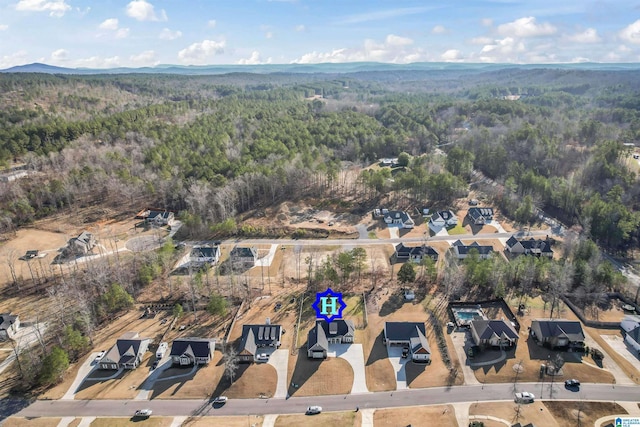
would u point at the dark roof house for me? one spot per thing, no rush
(557, 333)
(190, 351)
(127, 353)
(205, 254)
(462, 251)
(244, 257)
(410, 335)
(255, 337)
(9, 325)
(339, 331)
(529, 247)
(480, 216)
(400, 218)
(494, 333)
(415, 253)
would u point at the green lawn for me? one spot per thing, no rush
(458, 229)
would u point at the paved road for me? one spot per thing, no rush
(297, 405)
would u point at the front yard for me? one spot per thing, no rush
(313, 377)
(440, 415)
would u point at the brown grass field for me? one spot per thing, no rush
(535, 412)
(31, 422)
(567, 414)
(440, 415)
(199, 385)
(239, 421)
(318, 377)
(337, 419)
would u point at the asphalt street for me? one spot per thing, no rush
(293, 405)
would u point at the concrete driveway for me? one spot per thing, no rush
(279, 359)
(461, 341)
(85, 369)
(354, 354)
(395, 357)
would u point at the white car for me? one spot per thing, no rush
(220, 400)
(99, 356)
(311, 410)
(524, 397)
(143, 413)
(264, 357)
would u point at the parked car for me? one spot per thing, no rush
(572, 383)
(311, 410)
(405, 352)
(143, 413)
(220, 400)
(524, 397)
(263, 357)
(99, 356)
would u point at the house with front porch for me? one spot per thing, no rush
(531, 246)
(462, 251)
(410, 335)
(201, 255)
(443, 219)
(414, 253)
(557, 333)
(493, 333)
(192, 351)
(127, 353)
(480, 216)
(338, 331)
(255, 337)
(399, 218)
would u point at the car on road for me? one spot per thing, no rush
(99, 356)
(263, 357)
(220, 400)
(312, 410)
(143, 413)
(572, 383)
(524, 397)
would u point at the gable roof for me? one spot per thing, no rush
(6, 320)
(342, 327)
(204, 252)
(464, 249)
(475, 213)
(403, 251)
(536, 245)
(446, 215)
(511, 242)
(486, 329)
(243, 252)
(419, 342)
(126, 348)
(194, 347)
(258, 335)
(317, 339)
(559, 328)
(631, 326)
(401, 215)
(403, 331)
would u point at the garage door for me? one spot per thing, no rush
(317, 355)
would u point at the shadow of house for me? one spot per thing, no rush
(413, 370)
(161, 385)
(304, 370)
(98, 376)
(127, 353)
(392, 304)
(378, 350)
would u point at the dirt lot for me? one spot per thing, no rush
(390, 307)
(530, 356)
(440, 415)
(337, 419)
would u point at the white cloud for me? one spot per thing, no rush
(504, 50)
(481, 40)
(212, 23)
(438, 29)
(254, 59)
(381, 15)
(59, 55)
(452, 55)
(631, 33)
(487, 22)
(590, 35)
(16, 58)
(109, 24)
(4, 27)
(300, 28)
(167, 34)
(623, 48)
(200, 53)
(55, 8)
(394, 49)
(268, 35)
(144, 11)
(147, 58)
(122, 33)
(526, 27)
(98, 62)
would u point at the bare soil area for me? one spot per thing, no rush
(124, 422)
(440, 415)
(31, 422)
(536, 413)
(337, 419)
(239, 421)
(569, 414)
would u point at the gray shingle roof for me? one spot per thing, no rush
(403, 331)
(194, 347)
(488, 328)
(254, 336)
(560, 328)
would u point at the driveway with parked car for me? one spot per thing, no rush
(398, 363)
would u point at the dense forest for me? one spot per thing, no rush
(215, 146)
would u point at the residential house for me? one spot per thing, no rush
(204, 255)
(529, 247)
(393, 161)
(338, 331)
(494, 333)
(557, 333)
(631, 330)
(462, 251)
(424, 212)
(127, 353)
(255, 337)
(81, 245)
(480, 216)
(444, 219)
(415, 254)
(157, 217)
(9, 325)
(400, 218)
(243, 257)
(410, 335)
(192, 351)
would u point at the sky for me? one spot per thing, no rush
(136, 33)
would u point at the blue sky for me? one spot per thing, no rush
(110, 33)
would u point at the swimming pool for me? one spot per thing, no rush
(464, 316)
